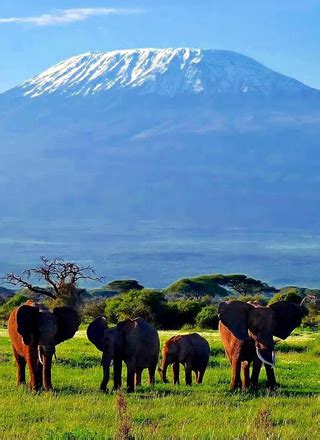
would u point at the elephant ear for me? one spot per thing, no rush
(95, 332)
(68, 322)
(27, 320)
(288, 316)
(234, 315)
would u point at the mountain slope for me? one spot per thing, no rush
(190, 135)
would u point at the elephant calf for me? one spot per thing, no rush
(133, 341)
(191, 350)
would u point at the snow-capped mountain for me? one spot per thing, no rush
(191, 135)
(166, 72)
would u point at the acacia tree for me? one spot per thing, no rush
(60, 276)
(243, 285)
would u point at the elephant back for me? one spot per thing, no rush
(200, 344)
(141, 338)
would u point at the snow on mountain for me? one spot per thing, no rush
(166, 72)
(238, 146)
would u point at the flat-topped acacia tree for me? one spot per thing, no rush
(60, 276)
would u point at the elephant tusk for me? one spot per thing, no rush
(263, 360)
(39, 356)
(111, 362)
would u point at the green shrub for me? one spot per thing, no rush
(146, 303)
(92, 309)
(290, 294)
(208, 318)
(13, 302)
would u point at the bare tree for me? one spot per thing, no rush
(60, 276)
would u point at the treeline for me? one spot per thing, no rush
(187, 302)
(165, 313)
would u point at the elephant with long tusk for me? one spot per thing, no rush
(247, 332)
(34, 332)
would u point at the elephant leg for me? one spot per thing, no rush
(152, 372)
(188, 373)
(32, 362)
(176, 373)
(200, 375)
(130, 379)
(21, 367)
(255, 372)
(117, 373)
(271, 378)
(246, 374)
(236, 376)
(46, 372)
(138, 374)
(106, 375)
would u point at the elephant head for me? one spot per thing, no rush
(108, 340)
(176, 349)
(259, 323)
(45, 329)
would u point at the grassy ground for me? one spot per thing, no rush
(77, 410)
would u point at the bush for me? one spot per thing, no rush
(13, 302)
(92, 309)
(146, 303)
(290, 294)
(153, 307)
(208, 318)
(176, 314)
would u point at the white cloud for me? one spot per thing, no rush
(66, 16)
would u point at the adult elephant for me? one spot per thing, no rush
(192, 351)
(133, 341)
(247, 332)
(34, 332)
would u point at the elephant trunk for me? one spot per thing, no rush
(163, 370)
(106, 362)
(46, 357)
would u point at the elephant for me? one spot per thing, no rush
(34, 332)
(247, 332)
(133, 341)
(192, 351)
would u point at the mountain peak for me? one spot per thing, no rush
(167, 72)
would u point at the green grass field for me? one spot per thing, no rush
(77, 410)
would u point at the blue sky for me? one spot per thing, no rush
(282, 34)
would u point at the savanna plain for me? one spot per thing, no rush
(77, 410)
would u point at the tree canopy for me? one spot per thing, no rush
(124, 285)
(60, 278)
